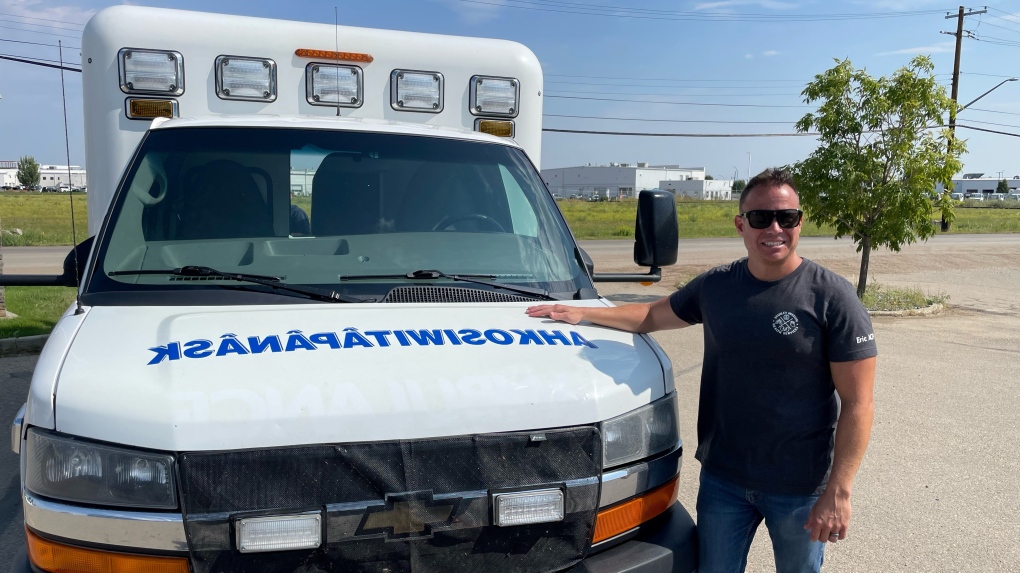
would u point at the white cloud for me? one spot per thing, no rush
(769, 4)
(45, 11)
(770, 53)
(940, 48)
(475, 13)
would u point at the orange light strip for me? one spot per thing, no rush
(58, 558)
(630, 514)
(329, 55)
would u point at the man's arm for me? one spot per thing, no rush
(855, 384)
(638, 317)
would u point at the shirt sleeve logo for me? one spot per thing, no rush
(786, 323)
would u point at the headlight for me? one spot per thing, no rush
(642, 433)
(75, 470)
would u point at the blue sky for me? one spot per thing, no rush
(752, 55)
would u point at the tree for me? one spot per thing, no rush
(739, 184)
(881, 152)
(1002, 186)
(28, 171)
(709, 178)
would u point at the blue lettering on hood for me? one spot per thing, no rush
(350, 339)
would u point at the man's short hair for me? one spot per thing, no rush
(771, 177)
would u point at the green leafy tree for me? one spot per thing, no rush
(28, 171)
(881, 153)
(739, 185)
(709, 178)
(1002, 186)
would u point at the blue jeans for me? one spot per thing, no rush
(728, 516)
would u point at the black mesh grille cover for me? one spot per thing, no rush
(449, 480)
(450, 294)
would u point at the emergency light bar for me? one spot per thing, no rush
(416, 91)
(245, 79)
(328, 55)
(334, 85)
(151, 72)
(495, 96)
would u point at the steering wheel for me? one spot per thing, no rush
(485, 220)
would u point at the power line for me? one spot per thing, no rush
(41, 32)
(39, 25)
(988, 130)
(992, 111)
(39, 63)
(36, 59)
(38, 44)
(669, 79)
(623, 12)
(700, 135)
(673, 94)
(42, 19)
(678, 102)
(993, 123)
(662, 120)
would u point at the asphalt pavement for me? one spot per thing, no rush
(937, 489)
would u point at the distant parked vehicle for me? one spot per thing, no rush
(997, 196)
(956, 196)
(1014, 196)
(977, 197)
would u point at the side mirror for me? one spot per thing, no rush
(656, 232)
(656, 238)
(73, 270)
(70, 278)
(586, 260)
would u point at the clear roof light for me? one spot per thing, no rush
(151, 72)
(495, 96)
(334, 85)
(247, 79)
(416, 91)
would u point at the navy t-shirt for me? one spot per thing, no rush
(768, 407)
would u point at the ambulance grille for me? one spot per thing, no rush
(429, 502)
(419, 294)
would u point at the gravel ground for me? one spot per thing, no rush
(936, 491)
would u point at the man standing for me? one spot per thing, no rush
(788, 349)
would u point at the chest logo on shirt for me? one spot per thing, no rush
(785, 323)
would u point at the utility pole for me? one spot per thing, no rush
(956, 64)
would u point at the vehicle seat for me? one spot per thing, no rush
(344, 201)
(441, 192)
(220, 201)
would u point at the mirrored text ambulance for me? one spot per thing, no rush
(301, 342)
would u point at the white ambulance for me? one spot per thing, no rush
(301, 342)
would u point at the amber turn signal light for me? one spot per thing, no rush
(630, 514)
(59, 558)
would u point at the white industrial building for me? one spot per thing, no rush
(616, 180)
(709, 189)
(49, 175)
(977, 183)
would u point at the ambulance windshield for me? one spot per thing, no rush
(312, 206)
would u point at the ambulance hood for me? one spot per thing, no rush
(221, 378)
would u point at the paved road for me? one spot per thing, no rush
(937, 488)
(34, 260)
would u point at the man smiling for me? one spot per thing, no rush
(786, 388)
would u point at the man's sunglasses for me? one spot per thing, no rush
(762, 218)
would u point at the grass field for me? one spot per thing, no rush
(38, 309)
(44, 218)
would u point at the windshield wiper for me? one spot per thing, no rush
(472, 278)
(265, 280)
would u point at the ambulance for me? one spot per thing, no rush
(300, 340)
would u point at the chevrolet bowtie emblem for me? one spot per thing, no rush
(412, 515)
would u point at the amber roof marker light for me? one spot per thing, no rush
(332, 55)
